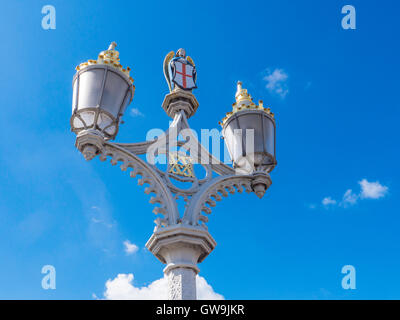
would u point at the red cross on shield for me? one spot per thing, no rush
(184, 74)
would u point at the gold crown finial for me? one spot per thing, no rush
(108, 57)
(241, 94)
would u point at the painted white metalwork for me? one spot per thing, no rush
(180, 239)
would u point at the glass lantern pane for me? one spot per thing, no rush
(126, 102)
(114, 93)
(74, 95)
(90, 85)
(77, 123)
(110, 130)
(103, 121)
(88, 117)
(269, 135)
(253, 121)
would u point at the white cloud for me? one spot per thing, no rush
(328, 201)
(372, 190)
(122, 288)
(129, 247)
(349, 198)
(277, 82)
(95, 220)
(135, 112)
(205, 291)
(369, 190)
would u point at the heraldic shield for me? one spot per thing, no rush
(183, 74)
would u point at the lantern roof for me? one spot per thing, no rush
(108, 57)
(244, 101)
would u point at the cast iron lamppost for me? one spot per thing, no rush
(102, 90)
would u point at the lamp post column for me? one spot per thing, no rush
(181, 248)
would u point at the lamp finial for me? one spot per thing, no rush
(239, 89)
(241, 94)
(244, 101)
(112, 46)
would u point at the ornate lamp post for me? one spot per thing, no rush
(102, 89)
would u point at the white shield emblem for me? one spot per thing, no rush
(184, 75)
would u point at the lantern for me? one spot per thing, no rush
(249, 133)
(102, 89)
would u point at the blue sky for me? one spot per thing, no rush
(337, 118)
